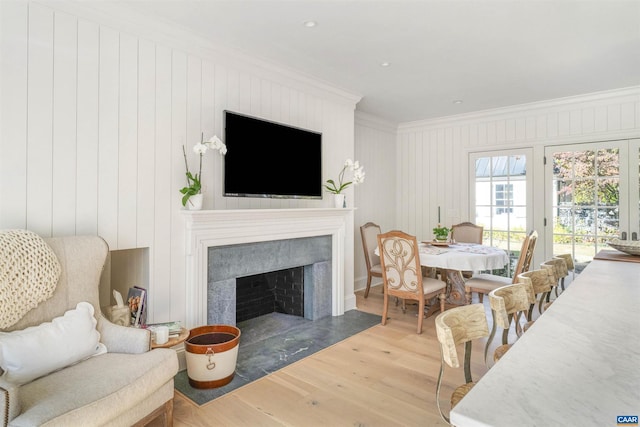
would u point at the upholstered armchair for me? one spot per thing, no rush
(125, 384)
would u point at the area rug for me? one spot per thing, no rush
(271, 342)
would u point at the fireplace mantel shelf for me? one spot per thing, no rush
(208, 228)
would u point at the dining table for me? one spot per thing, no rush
(451, 259)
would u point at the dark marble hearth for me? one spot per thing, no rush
(273, 341)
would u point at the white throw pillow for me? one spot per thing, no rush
(38, 350)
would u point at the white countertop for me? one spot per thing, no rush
(578, 365)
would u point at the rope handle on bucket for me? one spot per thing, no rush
(210, 354)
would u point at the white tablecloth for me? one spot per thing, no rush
(463, 257)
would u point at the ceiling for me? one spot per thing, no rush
(487, 54)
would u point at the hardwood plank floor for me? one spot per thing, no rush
(384, 376)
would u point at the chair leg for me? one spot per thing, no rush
(420, 314)
(366, 291)
(442, 297)
(385, 308)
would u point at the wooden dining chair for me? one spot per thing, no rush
(559, 269)
(456, 326)
(541, 281)
(507, 304)
(467, 232)
(571, 267)
(369, 233)
(485, 283)
(402, 274)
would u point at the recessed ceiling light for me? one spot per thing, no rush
(385, 64)
(457, 101)
(310, 24)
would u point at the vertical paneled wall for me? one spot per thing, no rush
(432, 157)
(376, 197)
(94, 119)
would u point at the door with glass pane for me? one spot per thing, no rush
(501, 199)
(593, 196)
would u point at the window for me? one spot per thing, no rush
(501, 200)
(504, 197)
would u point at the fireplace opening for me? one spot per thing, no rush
(279, 291)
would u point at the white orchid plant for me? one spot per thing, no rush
(194, 185)
(358, 177)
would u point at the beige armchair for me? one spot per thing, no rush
(127, 385)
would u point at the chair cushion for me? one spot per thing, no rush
(500, 351)
(487, 282)
(376, 269)
(95, 390)
(430, 285)
(38, 350)
(460, 392)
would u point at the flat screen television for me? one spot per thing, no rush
(268, 159)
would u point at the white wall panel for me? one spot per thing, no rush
(179, 103)
(146, 135)
(87, 128)
(93, 123)
(108, 91)
(14, 19)
(65, 65)
(128, 142)
(591, 117)
(40, 120)
(164, 194)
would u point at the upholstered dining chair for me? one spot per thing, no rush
(467, 232)
(459, 325)
(369, 233)
(485, 283)
(402, 274)
(507, 304)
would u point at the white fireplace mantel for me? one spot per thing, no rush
(208, 228)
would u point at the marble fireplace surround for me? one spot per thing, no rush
(210, 228)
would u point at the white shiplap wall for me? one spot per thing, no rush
(375, 198)
(94, 117)
(432, 156)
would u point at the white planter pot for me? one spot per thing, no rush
(194, 203)
(339, 201)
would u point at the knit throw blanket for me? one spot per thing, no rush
(29, 272)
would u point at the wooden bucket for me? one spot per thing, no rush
(211, 353)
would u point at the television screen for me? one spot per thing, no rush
(267, 159)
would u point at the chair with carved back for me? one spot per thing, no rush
(402, 274)
(369, 233)
(456, 326)
(559, 268)
(571, 267)
(507, 304)
(485, 283)
(541, 282)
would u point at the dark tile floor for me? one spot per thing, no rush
(271, 342)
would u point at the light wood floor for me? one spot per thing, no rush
(384, 376)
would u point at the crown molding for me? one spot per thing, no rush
(628, 94)
(375, 122)
(120, 17)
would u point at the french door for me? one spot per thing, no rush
(594, 196)
(501, 199)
